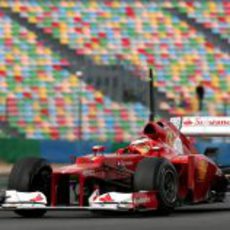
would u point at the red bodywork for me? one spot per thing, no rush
(197, 174)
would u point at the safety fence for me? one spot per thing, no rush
(64, 151)
(54, 151)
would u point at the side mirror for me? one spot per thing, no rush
(98, 149)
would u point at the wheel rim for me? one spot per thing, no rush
(169, 186)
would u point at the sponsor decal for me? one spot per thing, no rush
(88, 172)
(142, 200)
(38, 198)
(188, 122)
(145, 200)
(106, 198)
(123, 163)
(198, 121)
(219, 123)
(202, 169)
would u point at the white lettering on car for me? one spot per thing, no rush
(142, 200)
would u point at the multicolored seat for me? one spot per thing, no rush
(139, 34)
(41, 98)
(136, 34)
(212, 14)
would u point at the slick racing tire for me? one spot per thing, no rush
(29, 175)
(158, 174)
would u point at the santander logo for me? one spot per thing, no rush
(106, 198)
(188, 122)
(199, 121)
(38, 198)
(142, 200)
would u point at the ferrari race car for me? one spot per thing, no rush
(159, 170)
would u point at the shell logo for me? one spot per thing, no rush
(202, 169)
(38, 198)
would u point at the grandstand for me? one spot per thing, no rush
(117, 41)
(212, 14)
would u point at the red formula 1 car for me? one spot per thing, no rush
(157, 171)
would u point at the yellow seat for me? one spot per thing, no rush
(37, 118)
(2, 67)
(5, 4)
(36, 105)
(70, 136)
(32, 19)
(60, 111)
(212, 7)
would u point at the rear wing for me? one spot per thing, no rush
(202, 126)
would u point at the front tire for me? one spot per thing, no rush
(29, 175)
(160, 175)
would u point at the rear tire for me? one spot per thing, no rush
(221, 187)
(160, 175)
(29, 175)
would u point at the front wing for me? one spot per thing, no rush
(111, 201)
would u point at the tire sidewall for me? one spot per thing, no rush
(150, 175)
(25, 176)
(166, 168)
(24, 172)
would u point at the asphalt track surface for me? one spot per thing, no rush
(208, 216)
